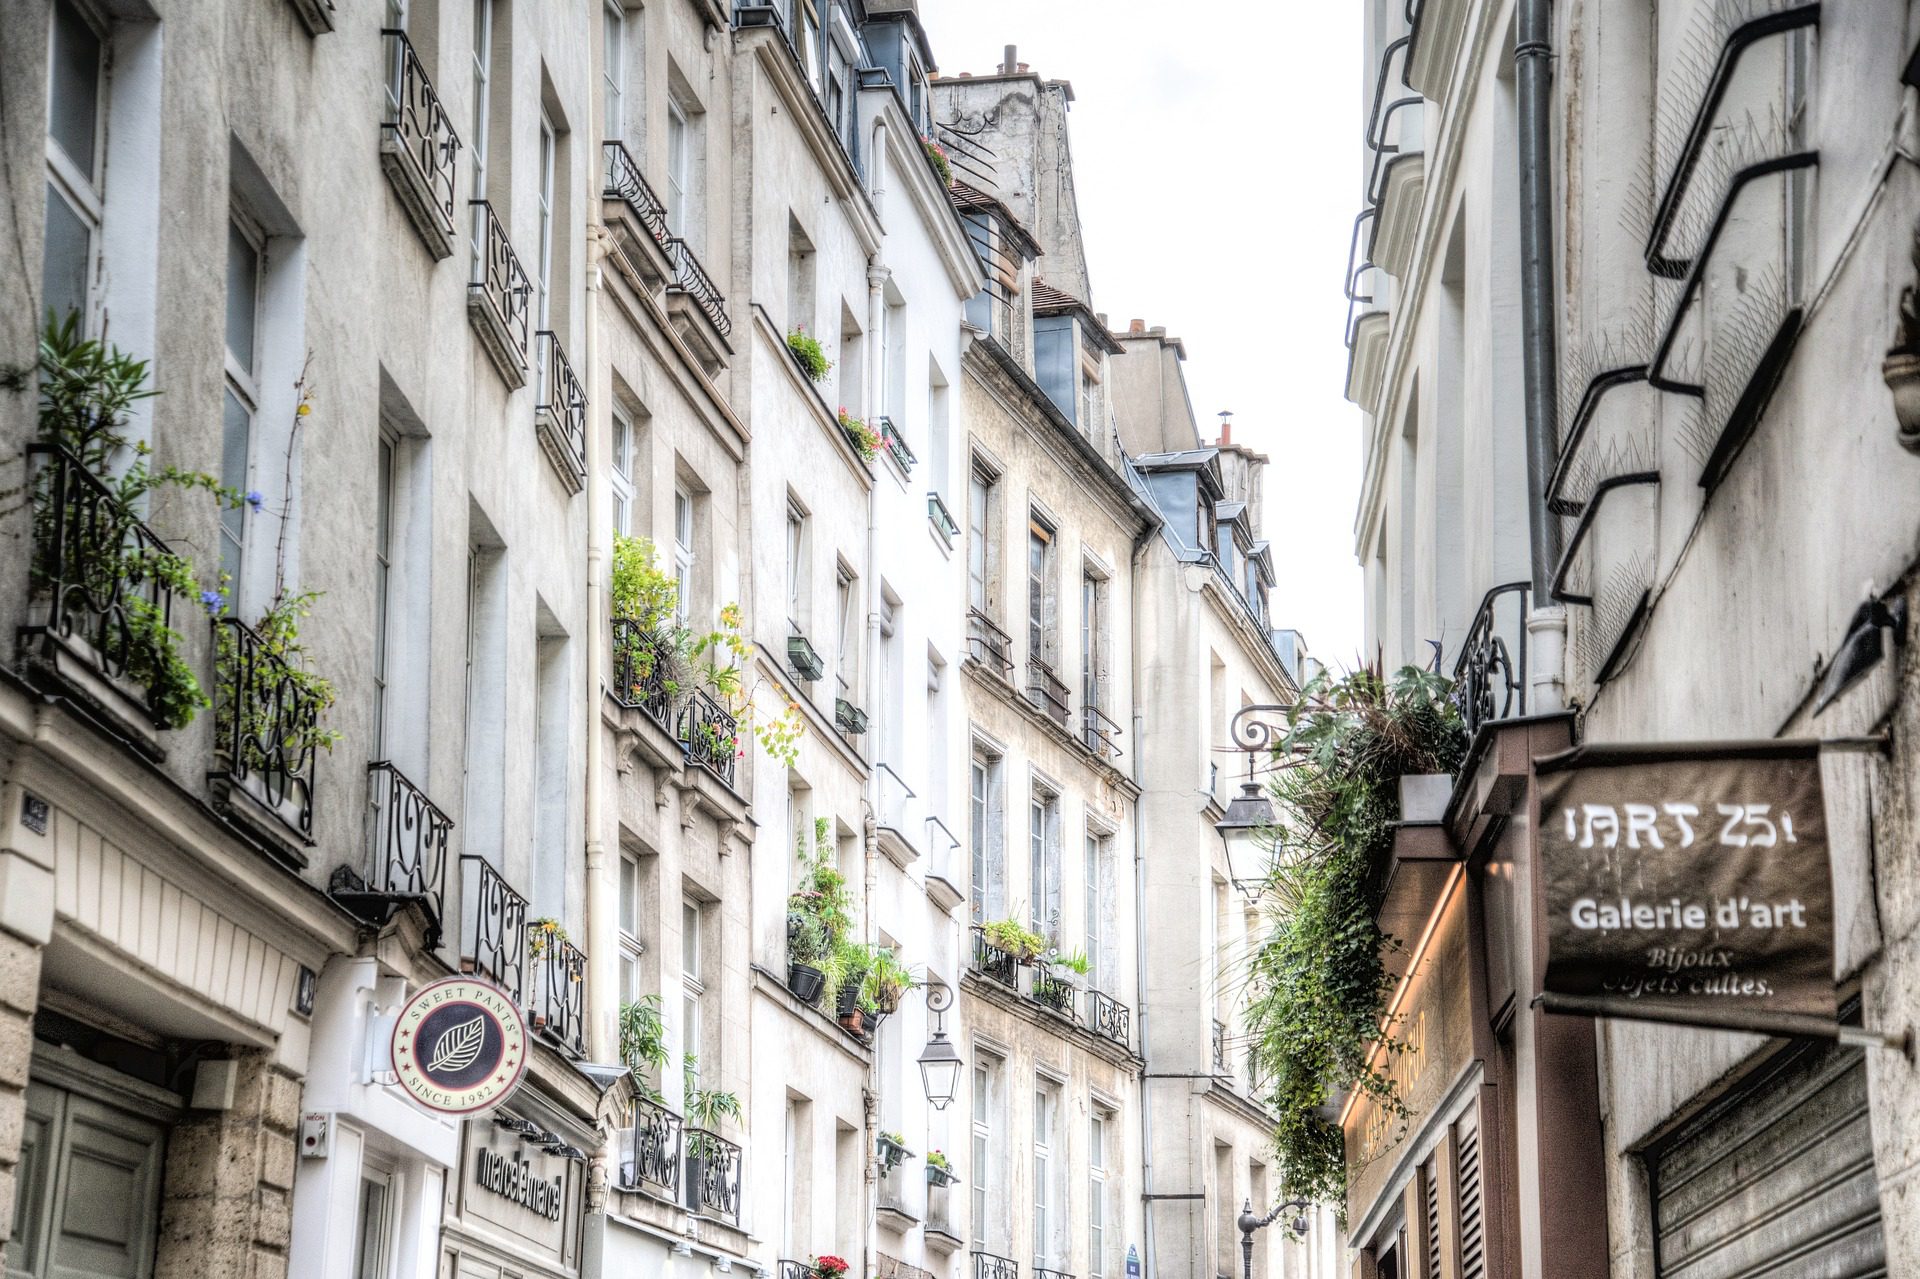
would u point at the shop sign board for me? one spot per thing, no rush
(1688, 884)
(459, 1046)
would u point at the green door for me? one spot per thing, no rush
(86, 1192)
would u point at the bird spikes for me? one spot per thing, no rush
(1614, 609)
(1620, 341)
(1735, 348)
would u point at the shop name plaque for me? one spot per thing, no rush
(513, 1179)
(459, 1046)
(1688, 883)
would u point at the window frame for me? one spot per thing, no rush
(82, 191)
(1098, 1121)
(620, 453)
(628, 922)
(544, 198)
(387, 488)
(684, 516)
(375, 1173)
(693, 986)
(1042, 609)
(613, 69)
(679, 164)
(241, 383)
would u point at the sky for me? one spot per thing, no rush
(1216, 161)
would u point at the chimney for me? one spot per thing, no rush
(1023, 68)
(1008, 63)
(1226, 432)
(1137, 328)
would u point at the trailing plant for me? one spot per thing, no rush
(851, 963)
(937, 157)
(543, 934)
(1318, 985)
(806, 348)
(1015, 938)
(643, 1043)
(865, 440)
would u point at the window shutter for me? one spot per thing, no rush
(1430, 1177)
(1473, 1250)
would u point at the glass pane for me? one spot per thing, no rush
(368, 1264)
(629, 897)
(383, 505)
(69, 250)
(236, 445)
(73, 111)
(690, 940)
(243, 291)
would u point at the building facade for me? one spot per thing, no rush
(1617, 272)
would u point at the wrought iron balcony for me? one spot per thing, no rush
(941, 518)
(560, 986)
(493, 934)
(560, 413)
(418, 146)
(1219, 1048)
(1051, 992)
(1047, 691)
(848, 718)
(99, 606)
(626, 183)
(713, 1176)
(1100, 733)
(1490, 675)
(992, 962)
(895, 444)
(1042, 1272)
(692, 280)
(1110, 1017)
(790, 1269)
(710, 735)
(497, 295)
(654, 1155)
(266, 728)
(987, 1266)
(407, 841)
(988, 644)
(640, 671)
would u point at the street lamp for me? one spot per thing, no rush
(1250, 812)
(1249, 1223)
(940, 1061)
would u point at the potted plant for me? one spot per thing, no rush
(643, 1042)
(1052, 979)
(893, 1150)
(939, 1170)
(818, 917)
(828, 1266)
(806, 947)
(865, 440)
(808, 353)
(886, 980)
(542, 935)
(853, 1003)
(937, 157)
(705, 1109)
(1013, 937)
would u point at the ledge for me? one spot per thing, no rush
(1367, 364)
(991, 680)
(1399, 214)
(1435, 51)
(992, 992)
(775, 988)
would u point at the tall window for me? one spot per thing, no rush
(1096, 908)
(693, 986)
(244, 249)
(985, 1123)
(373, 1229)
(1097, 1196)
(1043, 838)
(614, 69)
(796, 566)
(622, 471)
(1090, 624)
(683, 548)
(630, 947)
(847, 623)
(543, 312)
(1040, 592)
(1044, 1206)
(679, 163)
(76, 107)
(977, 839)
(382, 587)
(482, 59)
(979, 534)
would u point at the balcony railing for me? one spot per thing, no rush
(560, 985)
(624, 182)
(640, 671)
(1219, 1048)
(493, 935)
(1490, 676)
(560, 413)
(96, 593)
(497, 293)
(266, 726)
(1051, 992)
(988, 1266)
(992, 962)
(710, 735)
(1042, 1272)
(418, 146)
(690, 278)
(988, 644)
(408, 840)
(1100, 733)
(654, 1156)
(1111, 1018)
(797, 1269)
(1047, 691)
(713, 1175)
(895, 444)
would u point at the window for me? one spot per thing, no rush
(382, 587)
(979, 539)
(485, 702)
(373, 1228)
(1096, 907)
(986, 891)
(986, 1122)
(1090, 416)
(847, 622)
(614, 69)
(76, 108)
(244, 251)
(1040, 592)
(679, 164)
(552, 794)
(622, 472)
(1043, 836)
(630, 947)
(1047, 1211)
(1097, 1195)
(543, 282)
(1091, 621)
(683, 549)
(796, 566)
(482, 106)
(693, 986)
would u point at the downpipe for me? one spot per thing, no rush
(1147, 1197)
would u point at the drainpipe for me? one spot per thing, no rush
(603, 976)
(1140, 895)
(877, 274)
(1533, 64)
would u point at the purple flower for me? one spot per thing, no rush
(214, 602)
(254, 499)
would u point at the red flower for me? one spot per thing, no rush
(829, 1265)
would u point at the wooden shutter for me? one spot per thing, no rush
(1430, 1194)
(1473, 1227)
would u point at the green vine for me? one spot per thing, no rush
(1318, 985)
(813, 359)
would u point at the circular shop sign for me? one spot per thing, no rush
(459, 1046)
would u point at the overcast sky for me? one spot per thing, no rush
(1216, 158)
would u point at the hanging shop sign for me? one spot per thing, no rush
(459, 1046)
(1688, 884)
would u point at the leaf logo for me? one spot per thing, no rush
(459, 1045)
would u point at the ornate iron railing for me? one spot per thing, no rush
(493, 937)
(418, 132)
(713, 1169)
(1042, 1272)
(1053, 992)
(1100, 733)
(895, 443)
(992, 962)
(1490, 675)
(624, 182)
(408, 837)
(790, 1269)
(640, 671)
(1110, 1017)
(94, 580)
(266, 725)
(560, 986)
(690, 278)
(498, 278)
(988, 643)
(711, 736)
(987, 1266)
(560, 407)
(1219, 1048)
(1047, 691)
(655, 1155)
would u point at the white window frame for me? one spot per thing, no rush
(1097, 1125)
(1042, 610)
(83, 191)
(543, 281)
(1043, 849)
(979, 538)
(631, 947)
(375, 1175)
(1095, 906)
(482, 68)
(621, 452)
(387, 490)
(613, 70)
(692, 983)
(796, 566)
(1044, 1205)
(846, 654)
(679, 159)
(980, 1173)
(241, 383)
(683, 519)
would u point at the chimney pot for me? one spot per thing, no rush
(1226, 431)
(1023, 68)
(1137, 326)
